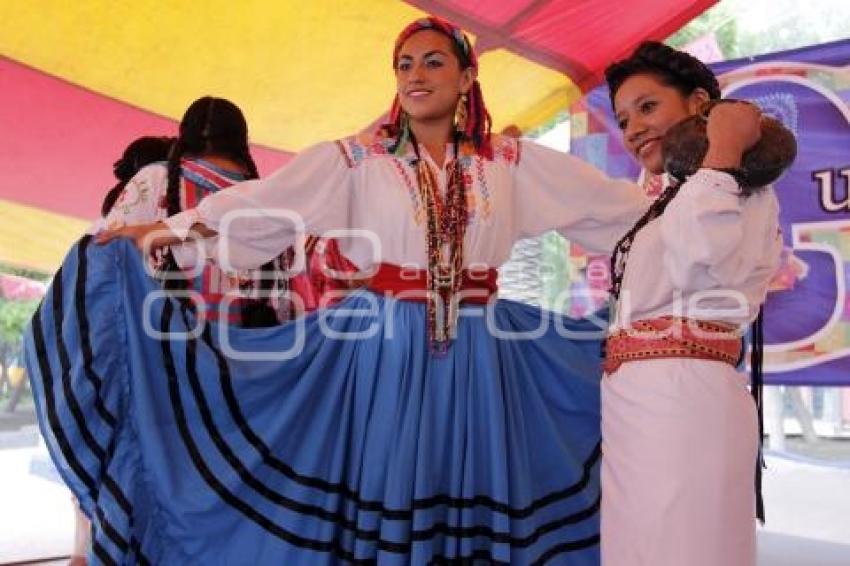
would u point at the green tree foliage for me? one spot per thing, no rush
(720, 20)
(745, 28)
(14, 316)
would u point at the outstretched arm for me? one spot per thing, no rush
(257, 219)
(558, 191)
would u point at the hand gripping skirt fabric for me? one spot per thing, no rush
(364, 448)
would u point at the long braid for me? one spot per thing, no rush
(170, 271)
(193, 126)
(478, 129)
(757, 391)
(172, 190)
(248, 162)
(258, 312)
(624, 246)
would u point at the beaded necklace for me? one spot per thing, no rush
(624, 246)
(445, 231)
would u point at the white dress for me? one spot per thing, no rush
(680, 436)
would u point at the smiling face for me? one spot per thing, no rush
(429, 79)
(646, 108)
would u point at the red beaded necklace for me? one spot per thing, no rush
(446, 228)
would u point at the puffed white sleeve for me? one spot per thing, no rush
(716, 238)
(558, 191)
(139, 201)
(257, 219)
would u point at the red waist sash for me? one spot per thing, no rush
(478, 285)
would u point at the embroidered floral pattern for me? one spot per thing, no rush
(506, 149)
(141, 190)
(486, 204)
(406, 176)
(357, 149)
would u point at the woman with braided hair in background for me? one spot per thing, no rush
(157, 177)
(210, 153)
(680, 429)
(141, 152)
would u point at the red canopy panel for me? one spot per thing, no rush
(60, 140)
(577, 37)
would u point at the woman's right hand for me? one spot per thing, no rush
(146, 237)
(732, 129)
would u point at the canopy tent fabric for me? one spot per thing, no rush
(79, 81)
(579, 38)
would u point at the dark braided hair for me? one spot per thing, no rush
(214, 126)
(674, 68)
(141, 151)
(210, 126)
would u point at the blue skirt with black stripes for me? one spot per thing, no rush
(335, 439)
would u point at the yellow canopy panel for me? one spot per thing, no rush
(302, 71)
(36, 239)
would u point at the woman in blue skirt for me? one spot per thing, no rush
(420, 421)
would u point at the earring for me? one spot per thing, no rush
(460, 114)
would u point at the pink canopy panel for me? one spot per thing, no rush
(577, 37)
(69, 138)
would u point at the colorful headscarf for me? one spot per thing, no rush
(478, 120)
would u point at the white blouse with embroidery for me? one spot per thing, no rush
(141, 201)
(356, 185)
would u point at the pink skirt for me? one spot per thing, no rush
(679, 442)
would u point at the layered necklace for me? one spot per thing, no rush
(447, 217)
